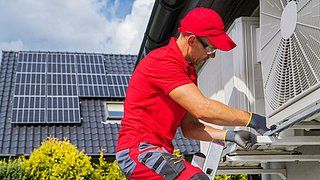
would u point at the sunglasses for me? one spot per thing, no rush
(209, 50)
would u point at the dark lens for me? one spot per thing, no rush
(204, 45)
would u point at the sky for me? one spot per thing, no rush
(100, 26)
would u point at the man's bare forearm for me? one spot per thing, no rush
(208, 133)
(201, 107)
(222, 114)
(192, 128)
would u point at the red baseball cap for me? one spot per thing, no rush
(206, 22)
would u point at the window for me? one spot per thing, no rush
(114, 111)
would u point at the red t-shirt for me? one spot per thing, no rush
(150, 115)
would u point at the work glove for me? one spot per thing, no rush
(244, 139)
(258, 123)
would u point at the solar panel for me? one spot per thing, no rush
(62, 95)
(91, 76)
(29, 94)
(118, 84)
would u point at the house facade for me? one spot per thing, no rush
(77, 96)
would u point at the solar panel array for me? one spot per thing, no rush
(45, 89)
(48, 86)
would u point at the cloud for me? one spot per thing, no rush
(72, 25)
(12, 45)
(129, 33)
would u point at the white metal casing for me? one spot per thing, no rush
(233, 78)
(290, 51)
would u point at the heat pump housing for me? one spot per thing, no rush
(234, 77)
(290, 57)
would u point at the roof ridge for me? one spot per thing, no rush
(67, 52)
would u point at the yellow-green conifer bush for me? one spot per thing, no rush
(231, 177)
(109, 171)
(13, 169)
(58, 160)
(177, 153)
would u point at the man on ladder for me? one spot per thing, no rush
(163, 93)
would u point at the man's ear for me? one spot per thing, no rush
(191, 40)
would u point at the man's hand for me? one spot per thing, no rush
(258, 123)
(244, 139)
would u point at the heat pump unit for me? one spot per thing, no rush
(290, 56)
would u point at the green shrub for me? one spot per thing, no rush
(58, 160)
(231, 177)
(13, 169)
(177, 153)
(105, 170)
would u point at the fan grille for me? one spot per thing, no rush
(296, 65)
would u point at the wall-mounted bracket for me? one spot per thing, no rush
(313, 111)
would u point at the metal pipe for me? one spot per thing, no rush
(273, 158)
